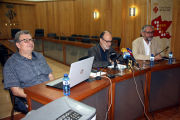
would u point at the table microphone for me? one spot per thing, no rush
(99, 77)
(162, 51)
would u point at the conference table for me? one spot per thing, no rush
(158, 88)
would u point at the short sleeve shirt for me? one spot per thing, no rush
(22, 72)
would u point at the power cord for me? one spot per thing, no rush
(111, 95)
(139, 95)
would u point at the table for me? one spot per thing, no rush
(125, 101)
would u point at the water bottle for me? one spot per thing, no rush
(66, 85)
(170, 58)
(152, 60)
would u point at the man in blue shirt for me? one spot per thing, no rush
(26, 67)
(102, 51)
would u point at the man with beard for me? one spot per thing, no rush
(102, 50)
(144, 46)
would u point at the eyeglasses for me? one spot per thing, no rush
(107, 41)
(27, 40)
(150, 32)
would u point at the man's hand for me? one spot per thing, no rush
(158, 57)
(112, 62)
(17, 91)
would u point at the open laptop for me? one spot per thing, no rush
(79, 72)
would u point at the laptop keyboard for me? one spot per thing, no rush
(58, 85)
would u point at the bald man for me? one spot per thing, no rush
(102, 50)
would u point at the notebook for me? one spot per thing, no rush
(79, 72)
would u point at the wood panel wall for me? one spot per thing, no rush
(175, 39)
(76, 17)
(25, 18)
(55, 17)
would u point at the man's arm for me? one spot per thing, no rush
(17, 91)
(51, 76)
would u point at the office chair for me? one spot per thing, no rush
(39, 33)
(14, 31)
(56, 37)
(63, 38)
(119, 40)
(87, 36)
(80, 36)
(51, 34)
(94, 37)
(71, 38)
(85, 40)
(19, 104)
(74, 35)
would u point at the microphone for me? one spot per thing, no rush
(113, 55)
(162, 51)
(132, 57)
(99, 77)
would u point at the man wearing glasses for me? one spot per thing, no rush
(26, 67)
(144, 46)
(102, 50)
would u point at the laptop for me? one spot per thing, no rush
(79, 72)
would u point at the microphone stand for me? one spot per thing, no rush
(161, 51)
(99, 77)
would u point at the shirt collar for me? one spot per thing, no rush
(102, 49)
(22, 57)
(146, 43)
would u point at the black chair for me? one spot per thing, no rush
(119, 40)
(14, 31)
(39, 33)
(63, 38)
(51, 35)
(56, 37)
(85, 40)
(74, 35)
(94, 37)
(14, 101)
(82, 58)
(71, 38)
(87, 36)
(80, 36)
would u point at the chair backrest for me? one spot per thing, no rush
(74, 35)
(63, 38)
(80, 36)
(14, 31)
(39, 33)
(85, 40)
(71, 38)
(82, 58)
(87, 36)
(94, 37)
(56, 37)
(51, 34)
(119, 40)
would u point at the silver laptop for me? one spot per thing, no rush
(79, 72)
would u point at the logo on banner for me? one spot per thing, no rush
(160, 27)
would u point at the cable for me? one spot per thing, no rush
(111, 96)
(139, 95)
(148, 97)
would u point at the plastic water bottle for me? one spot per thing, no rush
(170, 58)
(152, 60)
(66, 85)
